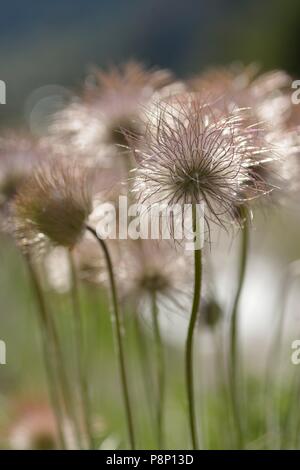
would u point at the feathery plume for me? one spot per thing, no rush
(18, 155)
(110, 105)
(196, 154)
(267, 96)
(53, 204)
(151, 267)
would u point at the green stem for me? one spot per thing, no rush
(48, 351)
(63, 378)
(56, 354)
(79, 347)
(233, 366)
(144, 363)
(221, 374)
(117, 323)
(190, 336)
(271, 386)
(160, 373)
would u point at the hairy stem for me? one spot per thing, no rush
(145, 363)
(271, 392)
(48, 351)
(64, 381)
(117, 323)
(56, 354)
(190, 336)
(233, 365)
(160, 399)
(79, 347)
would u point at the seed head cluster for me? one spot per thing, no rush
(225, 139)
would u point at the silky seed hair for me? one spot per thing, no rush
(19, 153)
(153, 267)
(192, 153)
(110, 103)
(53, 205)
(266, 95)
(120, 92)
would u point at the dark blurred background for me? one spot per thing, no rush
(54, 41)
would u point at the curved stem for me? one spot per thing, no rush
(190, 336)
(274, 355)
(221, 373)
(48, 353)
(233, 366)
(63, 379)
(117, 323)
(160, 373)
(56, 353)
(79, 346)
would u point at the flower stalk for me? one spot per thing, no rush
(145, 363)
(117, 323)
(49, 354)
(233, 366)
(79, 345)
(190, 335)
(57, 361)
(160, 373)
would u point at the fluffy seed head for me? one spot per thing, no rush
(151, 267)
(34, 428)
(18, 155)
(54, 203)
(110, 104)
(266, 95)
(192, 153)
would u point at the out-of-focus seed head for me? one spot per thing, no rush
(109, 108)
(211, 313)
(151, 267)
(34, 429)
(53, 204)
(268, 96)
(18, 155)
